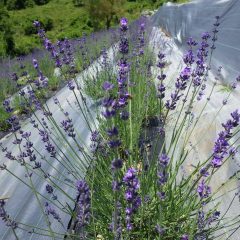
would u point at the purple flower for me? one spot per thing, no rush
(14, 122)
(37, 24)
(236, 117)
(35, 63)
(142, 26)
(191, 42)
(104, 57)
(205, 36)
(161, 195)
(185, 237)
(124, 24)
(14, 77)
(124, 115)
(203, 190)
(204, 172)
(221, 144)
(186, 73)
(171, 104)
(160, 230)
(234, 85)
(107, 86)
(67, 125)
(197, 81)
(215, 215)
(112, 132)
(163, 160)
(7, 106)
(49, 189)
(116, 185)
(130, 175)
(114, 143)
(224, 102)
(51, 211)
(131, 195)
(162, 177)
(49, 147)
(141, 39)
(117, 164)
(123, 46)
(161, 64)
(161, 131)
(109, 105)
(5, 217)
(71, 85)
(84, 201)
(96, 143)
(189, 57)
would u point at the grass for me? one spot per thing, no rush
(71, 22)
(63, 19)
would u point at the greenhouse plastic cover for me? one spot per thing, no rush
(172, 26)
(22, 204)
(192, 19)
(179, 22)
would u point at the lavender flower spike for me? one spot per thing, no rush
(185, 237)
(131, 195)
(221, 146)
(5, 217)
(84, 200)
(203, 190)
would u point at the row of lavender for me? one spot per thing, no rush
(15, 73)
(122, 197)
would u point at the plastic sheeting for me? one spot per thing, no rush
(172, 26)
(22, 204)
(192, 19)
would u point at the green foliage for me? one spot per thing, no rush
(6, 33)
(19, 4)
(41, 2)
(22, 4)
(4, 126)
(25, 46)
(104, 11)
(78, 16)
(20, 105)
(93, 85)
(78, 3)
(29, 29)
(10, 45)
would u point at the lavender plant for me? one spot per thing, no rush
(108, 187)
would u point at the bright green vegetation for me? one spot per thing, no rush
(64, 18)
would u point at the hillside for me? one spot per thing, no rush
(62, 18)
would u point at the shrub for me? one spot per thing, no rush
(78, 3)
(29, 29)
(19, 4)
(41, 2)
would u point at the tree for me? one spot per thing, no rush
(18, 4)
(41, 2)
(78, 3)
(104, 11)
(6, 31)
